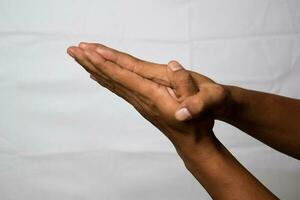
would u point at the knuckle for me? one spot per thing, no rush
(198, 100)
(197, 103)
(184, 76)
(151, 104)
(149, 98)
(137, 66)
(97, 61)
(219, 90)
(150, 91)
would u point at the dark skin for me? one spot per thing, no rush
(188, 105)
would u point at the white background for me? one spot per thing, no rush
(64, 137)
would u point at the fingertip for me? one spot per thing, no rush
(183, 114)
(174, 65)
(173, 62)
(71, 51)
(83, 44)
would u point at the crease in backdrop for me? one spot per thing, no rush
(64, 137)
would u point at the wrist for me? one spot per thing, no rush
(202, 152)
(229, 105)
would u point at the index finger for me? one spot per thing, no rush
(149, 70)
(124, 77)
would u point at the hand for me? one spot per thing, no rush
(156, 102)
(195, 92)
(171, 96)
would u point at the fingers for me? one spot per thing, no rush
(152, 71)
(209, 97)
(181, 81)
(195, 99)
(120, 58)
(137, 102)
(87, 60)
(79, 55)
(115, 88)
(184, 87)
(94, 63)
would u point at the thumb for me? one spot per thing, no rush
(209, 97)
(181, 81)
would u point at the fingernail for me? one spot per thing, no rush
(174, 66)
(183, 114)
(71, 53)
(82, 44)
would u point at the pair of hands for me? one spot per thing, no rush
(181, 103)
(184, 105)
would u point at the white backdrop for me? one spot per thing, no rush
(64, 137)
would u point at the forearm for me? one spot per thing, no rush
(269, 118)
(221, 174)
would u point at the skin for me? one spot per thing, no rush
(272, 119)
(141, 83)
